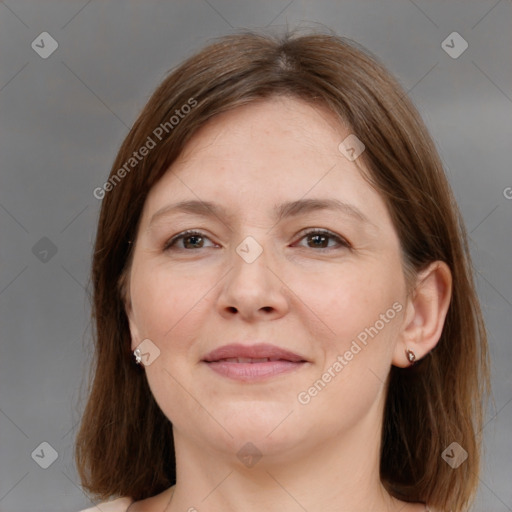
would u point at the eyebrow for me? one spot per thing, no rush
(282, 211)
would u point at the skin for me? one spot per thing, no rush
(201, 294)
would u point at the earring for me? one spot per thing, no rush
(411, 356)
(137, 355)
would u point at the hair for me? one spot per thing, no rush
(124, 446)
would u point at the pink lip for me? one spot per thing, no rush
(261, 350)
(282, 361)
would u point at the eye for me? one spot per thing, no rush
(195, 240)
(320, 239)
(191, 240)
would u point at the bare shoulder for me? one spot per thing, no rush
(416, 507)
(118, 505)
(432, 509)
(154, 503)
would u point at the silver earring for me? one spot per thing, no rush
(138, 357)
(411, 356)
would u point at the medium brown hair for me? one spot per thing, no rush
(124, 446)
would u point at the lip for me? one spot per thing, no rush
(258, 351)
(223, 360)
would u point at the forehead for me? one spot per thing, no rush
(264, 153)
(276, 124)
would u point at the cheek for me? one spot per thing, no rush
(365, 314)
(348, 300)
(162, 301)
(167, 307)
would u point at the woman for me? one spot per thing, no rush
(285, 310)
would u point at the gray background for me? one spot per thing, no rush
(64, 117)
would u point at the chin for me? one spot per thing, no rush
(250, 446)
(272, 430)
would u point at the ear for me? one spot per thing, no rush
(425, 313)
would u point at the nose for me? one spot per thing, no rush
(253, 289)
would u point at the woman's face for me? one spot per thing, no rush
(258, 272)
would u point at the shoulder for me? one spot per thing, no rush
(118, 505)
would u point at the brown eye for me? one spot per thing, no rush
(191, 240)
(195, 241)
(319, 239)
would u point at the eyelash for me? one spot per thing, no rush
(341, 241)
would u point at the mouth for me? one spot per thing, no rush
(253, 362)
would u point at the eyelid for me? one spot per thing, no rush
(322, 231)
(183, 234)
(307, 231)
